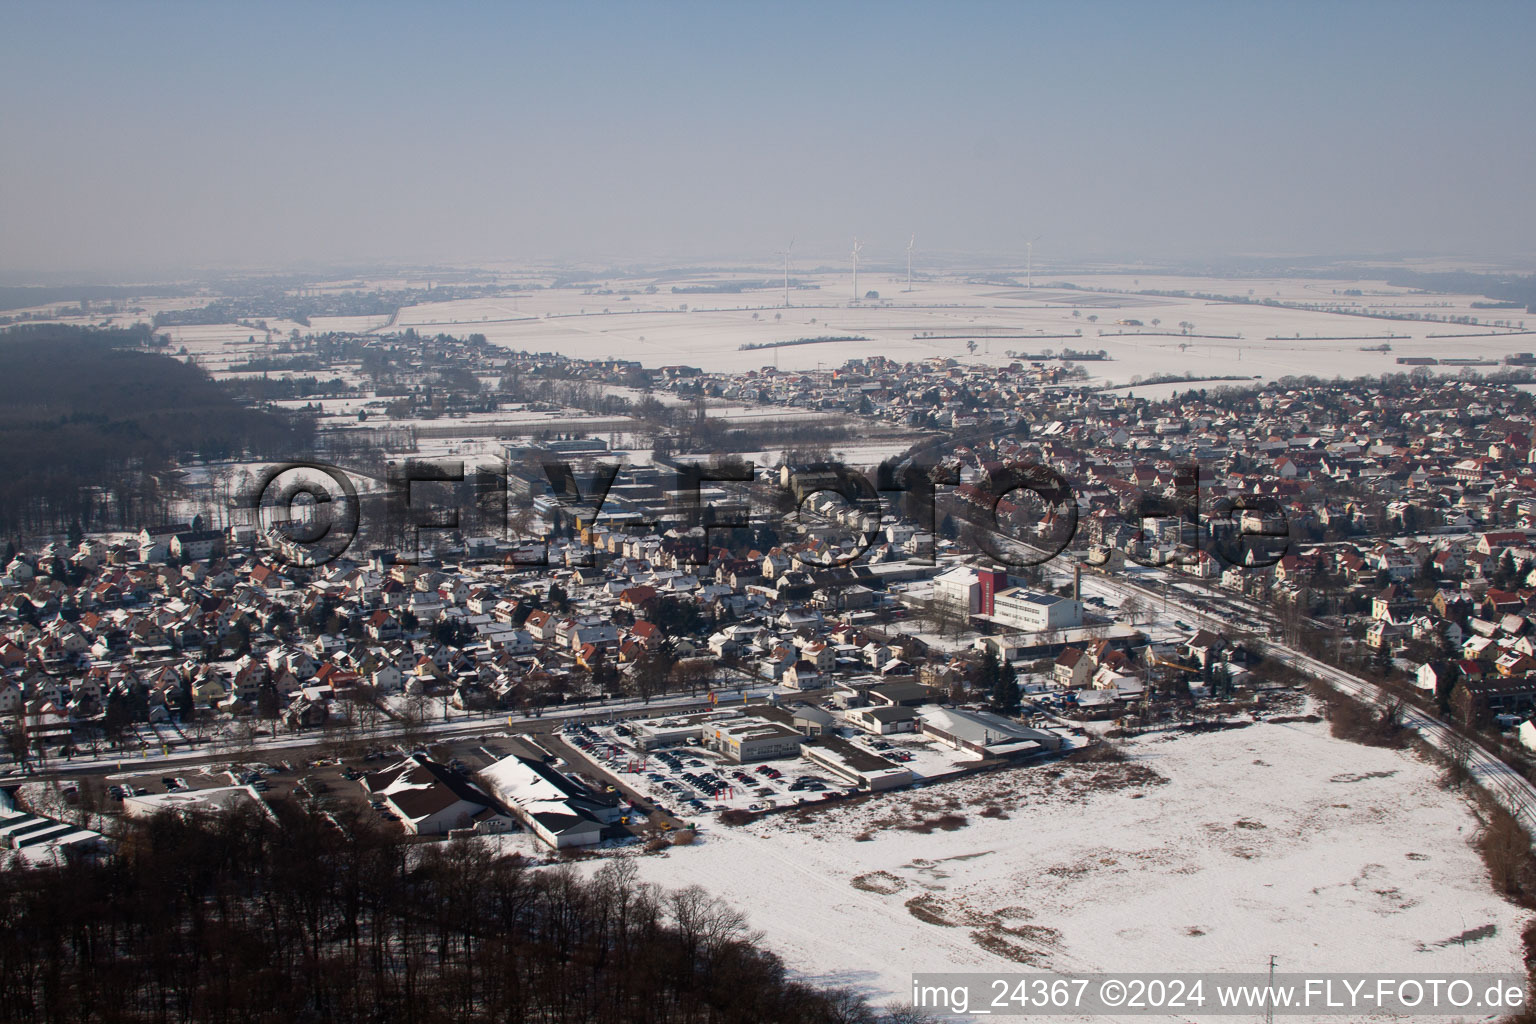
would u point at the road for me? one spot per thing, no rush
(279, 747)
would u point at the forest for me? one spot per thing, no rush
(1499, 287)
(89, 419)
(304, 916)
(23, 297)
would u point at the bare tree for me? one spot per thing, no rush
(1133, 610)
(1458, 761)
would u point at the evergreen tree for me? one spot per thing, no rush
(1504, 575)
(115, 716)
(266, 702)
(653, 670)
(242, 637)
(1005, 691)
(1445, 685)
(184, 705)
(987, 673)
(1381, 661)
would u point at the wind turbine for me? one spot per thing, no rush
(785, 254)
(910, 244)
(858, 247)
(1029, 262)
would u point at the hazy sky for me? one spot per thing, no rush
(141, 137)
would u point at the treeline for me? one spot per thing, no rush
(274, 303)
(47, 295)
(256, 390)
(87, 421)
(1500, 287)
(240, 919)
(752, 346)
(719, 288)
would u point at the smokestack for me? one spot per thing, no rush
(1077, 581)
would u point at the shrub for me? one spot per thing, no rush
(1506, 850)
(1102, 752)
(1350, 718)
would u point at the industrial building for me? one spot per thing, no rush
(868, 771)
(984, 733)
(753, 739)
(432, 800)
(656, 733)
(1034, 612)
(559, 809)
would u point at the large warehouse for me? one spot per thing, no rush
(557, 808)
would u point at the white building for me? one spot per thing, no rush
(557, 808)
(969, 588)
(1032, 612)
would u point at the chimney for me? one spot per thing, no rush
(1077, 581)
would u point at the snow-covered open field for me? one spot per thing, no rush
(940, 316)
(1200, 853)
(1262, 341)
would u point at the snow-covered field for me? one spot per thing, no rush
(941, 317)
(1264, 341)
(1200, 853)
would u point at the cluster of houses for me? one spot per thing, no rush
(102, 637)
(1407, 510)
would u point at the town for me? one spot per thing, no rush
(687, 514)
(641, 613)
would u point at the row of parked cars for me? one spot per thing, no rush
(887, 750)
(585, 739)
(691, 770)
(381, 810)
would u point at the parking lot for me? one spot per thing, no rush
(690, 779)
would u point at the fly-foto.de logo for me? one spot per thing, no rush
(1019, 515)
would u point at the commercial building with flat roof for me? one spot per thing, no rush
(656, 733)
(753, 739)
(866, 770)
(1034, 612)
